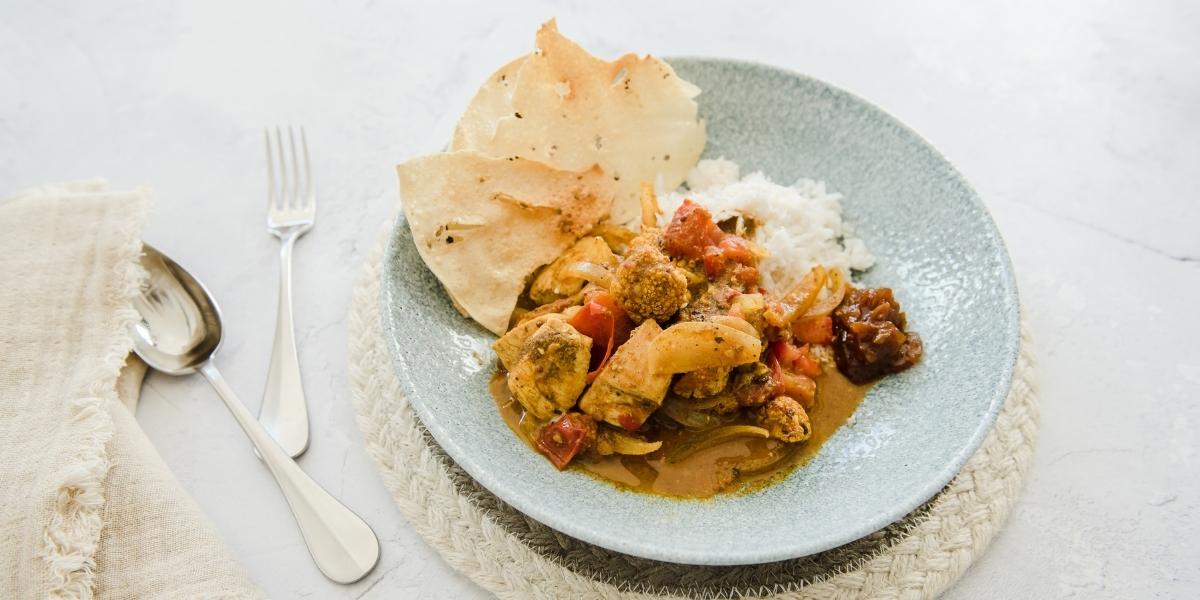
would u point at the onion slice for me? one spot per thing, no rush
(649, 206)
(611, 441)
(737, 323)
(682, 412)
(799, 299)
(589, 271)
(693, 345)
(713, 437)
(836, 286)
(753, 466)
(615, 236)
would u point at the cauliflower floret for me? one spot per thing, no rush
(785, 419)
(649, 286)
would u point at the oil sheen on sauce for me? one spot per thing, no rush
(735, 465)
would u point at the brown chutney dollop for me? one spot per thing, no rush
(869, 340)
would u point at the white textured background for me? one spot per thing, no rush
(1078, 123)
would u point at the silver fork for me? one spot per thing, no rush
(292, 210)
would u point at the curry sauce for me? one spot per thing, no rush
(734, 465)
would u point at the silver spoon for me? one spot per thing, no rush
(179, 331)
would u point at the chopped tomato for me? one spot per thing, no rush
(601, 319)
(800, 388)
(737, 249)
(629, 422)
(622, 324)
(814, 330)
(597, 322)
(806, 364)
(776, 371)
(714, 261)
(785, 353)
(690, 232)
(747, 276)
(794, 369)
(793, 359)
(731, 249)
(725, 294)
(565, 437)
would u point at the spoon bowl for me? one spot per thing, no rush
(181, 323)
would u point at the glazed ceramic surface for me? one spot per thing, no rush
(935, 245)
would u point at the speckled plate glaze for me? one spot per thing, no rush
(936, 246)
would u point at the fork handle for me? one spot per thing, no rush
(284, 413)
(341, 543)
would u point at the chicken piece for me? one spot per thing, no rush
(562, 305)
(508, 347)
(648, 286)
(785, 419)
(551, 370)
(702, 383)
(627, 391)
(606, 402)
(553, 282)
(753, 384)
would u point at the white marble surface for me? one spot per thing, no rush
(1078, 122)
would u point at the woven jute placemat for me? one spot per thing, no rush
(513, 556)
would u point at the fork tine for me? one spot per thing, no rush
(283, 182)
(297, 200)
(309, 198)
(270, 169)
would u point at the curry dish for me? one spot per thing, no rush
(738, 463)
(657, 361)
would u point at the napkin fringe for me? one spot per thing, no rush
(71, 536)
(73, 532)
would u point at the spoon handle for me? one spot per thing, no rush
(284, 412)
(341, 543)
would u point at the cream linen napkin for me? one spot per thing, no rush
(87, 507)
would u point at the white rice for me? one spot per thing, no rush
(799, 225)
